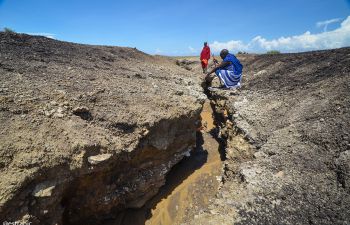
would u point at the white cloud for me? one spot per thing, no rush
(230, 45)
(192, 50)
(337, 38)
(325, 23)
(48, 35)
(158, 51)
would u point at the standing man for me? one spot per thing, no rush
(229, 71)
(205, 56)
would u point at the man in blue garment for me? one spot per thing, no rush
(229, 71)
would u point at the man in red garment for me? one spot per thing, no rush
(205, 56)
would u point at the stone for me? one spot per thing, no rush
(97, 159)
(80, 109)
(42, 190)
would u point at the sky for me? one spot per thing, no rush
(180, 27)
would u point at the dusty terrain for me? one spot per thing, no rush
(87, 130)
(99, 135)
(287, 134)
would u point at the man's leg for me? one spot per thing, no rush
(219, 74)
(203, 66)
(237, 81)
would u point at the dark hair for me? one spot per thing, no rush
(223, 53)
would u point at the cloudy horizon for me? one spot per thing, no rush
(337, 38)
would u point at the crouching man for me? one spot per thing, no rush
(229, 71)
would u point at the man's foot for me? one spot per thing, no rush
(217, 88)
(238, 85)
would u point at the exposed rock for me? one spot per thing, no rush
(285, 135)
(97, 159)
(185, 63)
(83, 104)
(43, 190)
(343, 169)
(261, 72)
(287, 152)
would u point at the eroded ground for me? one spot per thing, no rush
(87, 131)
(190, 185)
(101, 135)
(287, 148)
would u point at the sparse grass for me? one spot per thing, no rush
(187, 57)
(8, 30)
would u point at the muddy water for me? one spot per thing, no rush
(190, 184)
(207, 117)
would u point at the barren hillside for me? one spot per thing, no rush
(90, 135)
(88, 129)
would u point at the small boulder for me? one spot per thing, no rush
(43, 190)
(97, 159)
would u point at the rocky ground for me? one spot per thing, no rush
(287, 141)
(88, 130)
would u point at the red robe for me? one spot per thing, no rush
(205, 56)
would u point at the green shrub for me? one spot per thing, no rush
(8, 30)
(273, 52)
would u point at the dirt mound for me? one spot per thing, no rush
(287, 134)
(88, 129)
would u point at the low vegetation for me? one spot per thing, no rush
(8, 30)
(273, 52)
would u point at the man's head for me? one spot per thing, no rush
(205, 44)
(223, 53)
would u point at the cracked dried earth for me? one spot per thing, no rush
(111, 135)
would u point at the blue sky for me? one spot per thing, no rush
(179, 27)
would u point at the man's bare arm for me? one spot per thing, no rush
(221, 65)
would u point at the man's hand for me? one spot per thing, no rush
(207, 76)
(215, 61)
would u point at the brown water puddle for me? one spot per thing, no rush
(194, 192)
(207, 117)
(189, 186)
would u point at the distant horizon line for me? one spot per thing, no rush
(51, 36)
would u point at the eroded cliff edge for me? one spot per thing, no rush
(88, 130)
(287, 141)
